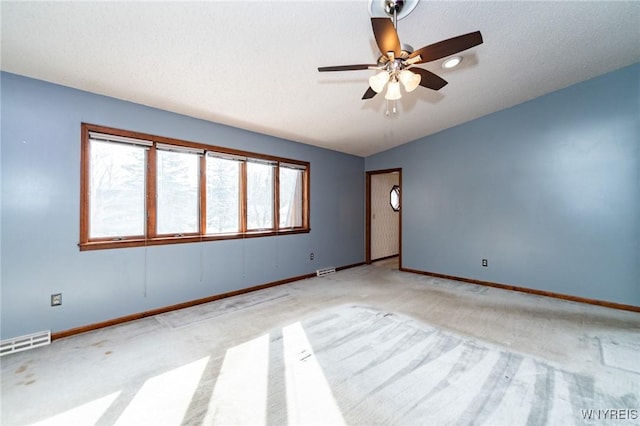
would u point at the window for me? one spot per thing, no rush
(223, 193)
(139, 189)
(116, 187)
(291, 181)
(177, 187)
(260, 180)
(394, 198)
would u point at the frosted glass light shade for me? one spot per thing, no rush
(378, 81)
(393, 91)
(409, 80)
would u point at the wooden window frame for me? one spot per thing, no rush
(151, 237)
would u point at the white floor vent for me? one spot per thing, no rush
(23, 343)
(325, 271)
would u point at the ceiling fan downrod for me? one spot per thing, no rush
(393, 8)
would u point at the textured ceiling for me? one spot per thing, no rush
(253, 65)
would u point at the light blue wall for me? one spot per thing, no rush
(40, 216)
(548, 191)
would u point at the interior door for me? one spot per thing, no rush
(383, 214)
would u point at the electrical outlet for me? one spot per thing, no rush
(56, 299)
(311, 256)
(485, 262)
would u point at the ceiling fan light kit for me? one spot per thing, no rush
(409, 80)
(397, 63)
(378, 81)
(393, 91)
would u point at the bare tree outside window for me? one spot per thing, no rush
(117, 190)
(223, 195)
(177, 192)
(260, 195)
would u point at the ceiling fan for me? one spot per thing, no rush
(397, 61)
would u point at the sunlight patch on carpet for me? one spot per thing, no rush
(240, 393)
(623, 355)
(309, 397)
(165, 398)
(88, 413)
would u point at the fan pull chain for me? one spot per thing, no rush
(392, 108)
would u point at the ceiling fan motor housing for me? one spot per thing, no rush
(386, 8)
(404, 54)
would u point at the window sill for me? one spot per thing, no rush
(141, 242)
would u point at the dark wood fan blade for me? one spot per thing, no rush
(386, 36)
(429, 79)
(370, 93)
(447, 47)
(347, 67)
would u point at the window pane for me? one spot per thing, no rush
(259, 196)
(290, 197)
(177, 191)
(394, 198)
(223, 195)
(116, 190)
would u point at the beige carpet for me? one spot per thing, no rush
(358, 365)
(366, 345)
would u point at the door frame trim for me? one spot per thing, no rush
(367, 244)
